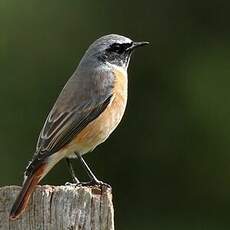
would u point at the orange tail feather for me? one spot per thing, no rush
(28, 187)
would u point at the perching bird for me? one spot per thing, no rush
(86, 112)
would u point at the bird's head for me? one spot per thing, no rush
(113, 49)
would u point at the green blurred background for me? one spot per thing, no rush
(168, 161)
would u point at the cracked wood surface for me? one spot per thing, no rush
(59, 208)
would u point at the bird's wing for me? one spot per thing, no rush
(80, 102)
(59, 130)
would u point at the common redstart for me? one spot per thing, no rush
(88, 109)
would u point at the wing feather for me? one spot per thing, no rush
(82, 100)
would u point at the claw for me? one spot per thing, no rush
(71, 184)
(94, 183)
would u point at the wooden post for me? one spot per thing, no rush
(60, 208)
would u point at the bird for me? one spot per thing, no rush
(88, 109)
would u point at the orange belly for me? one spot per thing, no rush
(99, 130)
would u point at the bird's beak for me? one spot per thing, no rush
(137, 44)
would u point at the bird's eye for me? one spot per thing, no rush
(119, 48)
(115, 47)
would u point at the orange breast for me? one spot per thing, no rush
(99, 130)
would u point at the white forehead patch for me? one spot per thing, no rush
(110, 39)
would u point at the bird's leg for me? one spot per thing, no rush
(94, 180)
(72, 173)
(87, 169)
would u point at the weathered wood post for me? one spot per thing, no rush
(60, 208)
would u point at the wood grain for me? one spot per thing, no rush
(59, 208)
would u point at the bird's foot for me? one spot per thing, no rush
(94, 183)
(74, 183)
(71, 184)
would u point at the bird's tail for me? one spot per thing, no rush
(28, 187)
